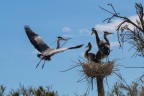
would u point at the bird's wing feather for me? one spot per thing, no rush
(55, 51)
(64, 49)
(36, 41)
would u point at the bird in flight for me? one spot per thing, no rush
(43, 48)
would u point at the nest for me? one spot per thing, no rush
(98, 70)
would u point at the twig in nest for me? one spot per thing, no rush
(131, 67)
(70, 68)
(81, 78)
(140, 78)
(78, 64)
(119, 75)
(82, 59)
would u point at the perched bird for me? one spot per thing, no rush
(104, 46)
(89, 56)
(43, 48)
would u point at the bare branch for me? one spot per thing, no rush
(135, 35)
(115, 14)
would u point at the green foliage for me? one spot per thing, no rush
(30, 91)
(123, 89)
(2, 90)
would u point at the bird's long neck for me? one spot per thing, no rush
(97, 37)
(87, 51)
(105, 37)
(58, 44)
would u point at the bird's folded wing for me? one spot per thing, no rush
(36, 41)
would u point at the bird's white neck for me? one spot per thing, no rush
(105, 37)
(87, 51)
(58, 44)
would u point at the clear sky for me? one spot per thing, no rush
(49, 19)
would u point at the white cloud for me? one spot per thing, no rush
(108, 27)
(114, 44)
(113, 25)
(75, 33)
(66, 29)
(68, 35)
(84, 30)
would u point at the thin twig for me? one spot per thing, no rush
(64, 43)
(131, 67)
(70, 68)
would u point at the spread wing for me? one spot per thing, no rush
(55, 51)
(35, 40)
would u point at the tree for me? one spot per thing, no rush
(123, 89)
(30, 91)
(131, 32)
(133, 35)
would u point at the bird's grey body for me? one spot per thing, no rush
(89, 56)
(103, 46)
(43, 48)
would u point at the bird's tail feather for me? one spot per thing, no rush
(75, 47)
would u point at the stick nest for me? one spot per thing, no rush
(98, 70)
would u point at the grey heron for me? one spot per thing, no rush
(43, 48)
(104, 46)
(89, 56)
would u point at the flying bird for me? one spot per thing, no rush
(43, 48)
(89, 56)
(104, 46)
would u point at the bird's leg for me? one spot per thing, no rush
(39, 62)
(107, 59)
(43, 64)
(92, 82)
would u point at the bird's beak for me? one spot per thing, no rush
(86, 46)
(65, 39)
(110, 33)
(92, 32)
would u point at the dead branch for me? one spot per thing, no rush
(134, 36)
(125, 19)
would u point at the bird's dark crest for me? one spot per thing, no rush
(89, 43)
(26, 26)
(59, 37)
(93, 29)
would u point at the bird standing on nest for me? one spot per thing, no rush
(41, 46)
(89, 56)
(104, 46)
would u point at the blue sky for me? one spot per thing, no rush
(49, 19)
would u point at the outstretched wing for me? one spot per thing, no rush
(36, 41)
(64, 49)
